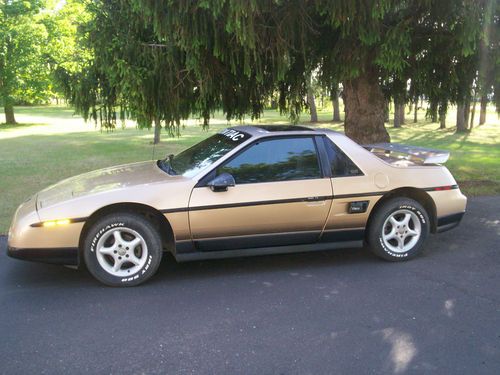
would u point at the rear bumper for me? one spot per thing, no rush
(65, 256)
(448, 222)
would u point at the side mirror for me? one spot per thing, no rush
(221, 182)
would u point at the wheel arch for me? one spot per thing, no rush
(150, 213)
(419, 195)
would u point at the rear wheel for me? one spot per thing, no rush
(398, 229)
(123, 249)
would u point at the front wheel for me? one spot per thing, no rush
(122, 249)
(399, 229)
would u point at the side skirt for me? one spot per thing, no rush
(185, 257)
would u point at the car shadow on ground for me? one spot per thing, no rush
(24, 273)
(171, 270)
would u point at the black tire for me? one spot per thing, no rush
(147, 253)
(381, 228)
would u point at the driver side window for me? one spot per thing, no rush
(275, 160)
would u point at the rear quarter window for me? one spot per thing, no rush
(341, 164)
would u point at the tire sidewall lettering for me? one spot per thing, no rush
(140, 273)
(415, 210)
(99, 234)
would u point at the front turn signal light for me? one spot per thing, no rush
(53, 223)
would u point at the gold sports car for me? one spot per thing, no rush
(247, 190)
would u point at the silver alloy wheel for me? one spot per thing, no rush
(401, 231)
(121, 252)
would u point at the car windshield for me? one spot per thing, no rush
(198, 157)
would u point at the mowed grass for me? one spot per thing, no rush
(50, 144)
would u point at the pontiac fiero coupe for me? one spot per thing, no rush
(247, 190)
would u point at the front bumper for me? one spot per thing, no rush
(66, 256)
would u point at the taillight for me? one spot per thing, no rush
(441, 188)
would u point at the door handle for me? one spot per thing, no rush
(315, 201)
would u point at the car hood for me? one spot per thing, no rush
(102, 180)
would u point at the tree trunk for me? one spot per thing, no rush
(9, 114)
(312, 104)
(415, 111)
(335, 103)
(467, 111)
(157, 135)
(398, 114)
(482, 113)
(461, 123)
(387, 110)
(442, 121)
(443, 108)
(274, 103)
(364, 109)
(473, 112)
(402, 114)
(433, 112)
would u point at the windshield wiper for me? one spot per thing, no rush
(165, 166)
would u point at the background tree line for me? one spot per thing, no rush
(39, 43)
(160, 62)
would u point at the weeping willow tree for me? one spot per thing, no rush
(163, 61)
(489, 58)
(132, 74)
(454, 48)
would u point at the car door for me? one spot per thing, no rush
(280, 197)
(354, 197)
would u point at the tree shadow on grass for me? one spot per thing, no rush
(5, 126)
(49, 111)
(440, 138)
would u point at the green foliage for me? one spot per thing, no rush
(461, 53)
(24, 78)
(39, 49)
(167, 60)
(489, 56)
(64, 54)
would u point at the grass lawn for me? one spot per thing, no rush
(50, 144)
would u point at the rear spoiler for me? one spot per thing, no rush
(420, 155)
